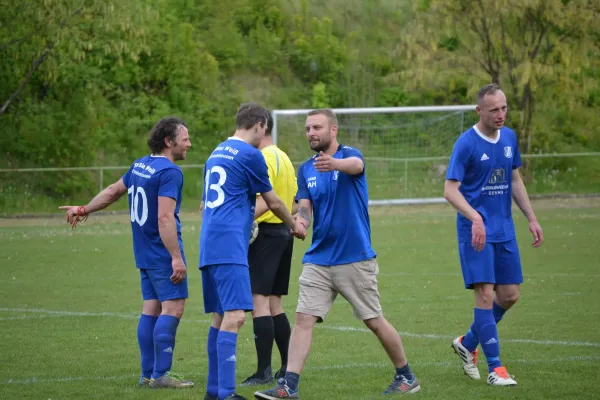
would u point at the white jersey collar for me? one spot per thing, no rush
(486, 138)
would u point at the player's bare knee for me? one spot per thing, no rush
(275, 305)
(484, 295)
(261, 306)
(239, 318)
(507, 295)
(305, 321)
(375, 324)
(507, 300)
(152, 308)
(233, 320)
(173, 308)
(216, 321)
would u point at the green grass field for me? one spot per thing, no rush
(70, 301)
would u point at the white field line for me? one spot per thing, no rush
(331, 327)
(548, 275)
(28, 381)
(58, 313)
(439, 336)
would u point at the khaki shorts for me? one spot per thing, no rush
(356, 282)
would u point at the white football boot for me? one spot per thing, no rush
(468, 359)
(500, 377)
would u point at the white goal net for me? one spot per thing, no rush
(406, 148)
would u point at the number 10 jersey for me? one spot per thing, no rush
(234, 173)
(147, 179)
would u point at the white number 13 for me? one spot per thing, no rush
(215, 186)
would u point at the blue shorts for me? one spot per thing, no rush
(156, 284)
(497, 263)
(226, 287)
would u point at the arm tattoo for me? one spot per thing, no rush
(304, 213)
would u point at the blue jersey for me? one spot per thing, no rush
(147, 179)
(484, 168)
(234, 173)
(341, 227)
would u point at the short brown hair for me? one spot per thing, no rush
(165, 128)
(269, 130)
(487, 89)
(249, 114)
(328, 112)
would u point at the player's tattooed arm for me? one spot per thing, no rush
(305, 212)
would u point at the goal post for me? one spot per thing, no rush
(406, 149)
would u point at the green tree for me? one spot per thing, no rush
(526, 46)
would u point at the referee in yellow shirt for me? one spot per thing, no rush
(270, 261)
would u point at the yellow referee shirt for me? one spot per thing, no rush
(283, 179)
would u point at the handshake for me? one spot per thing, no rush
(300, 226)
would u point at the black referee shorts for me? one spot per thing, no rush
(270, 259)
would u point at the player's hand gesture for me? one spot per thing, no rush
(325, 163)
(74, 214)
(299, 230)
(536, 230)
(179, 270)
(71, 212)
(478, 234)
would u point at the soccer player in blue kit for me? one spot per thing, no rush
(332, 188)
(483, 175)
(234, 173)
(153, 184)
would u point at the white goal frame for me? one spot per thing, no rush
(383, 110)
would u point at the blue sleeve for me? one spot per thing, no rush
(459, 160)
(127, 176)
(204, 183)
(517, 156)
(171, 182)
(302, 192)
(348, 152)
(258, 174)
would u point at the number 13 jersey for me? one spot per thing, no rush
(234, 173)
(147, 179)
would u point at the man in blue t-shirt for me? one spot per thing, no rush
(153, 184)
(332, 189)
(482, 176)
(234, 173)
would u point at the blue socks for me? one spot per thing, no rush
(470, 341)
(226, 352)
(164, 344)
(292, 379)
(212, 382)
(487, 332)
(498, 312)
(405, 371)
(145, 334)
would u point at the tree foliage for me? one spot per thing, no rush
(83, 81)
(535, 49)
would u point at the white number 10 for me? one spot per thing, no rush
(215, 186)
(136, 196)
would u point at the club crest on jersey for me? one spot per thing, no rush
(335, 175)
(508, 152)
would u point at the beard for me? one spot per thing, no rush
(178, 154)
(320, 145)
